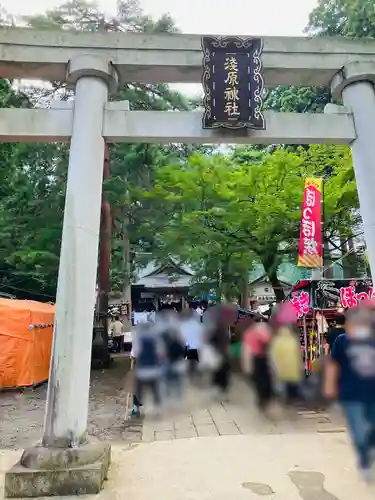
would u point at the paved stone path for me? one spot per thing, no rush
(216, 451)
(22, 414)
(202, 417)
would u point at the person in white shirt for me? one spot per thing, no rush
(192, 332)
(199, 311)
(117, 331)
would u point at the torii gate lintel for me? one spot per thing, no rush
(160, 127)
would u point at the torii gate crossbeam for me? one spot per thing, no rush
(119, 125)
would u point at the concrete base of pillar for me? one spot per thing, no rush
(56, 471)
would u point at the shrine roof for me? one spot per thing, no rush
(170, 274)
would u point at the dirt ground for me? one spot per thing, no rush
(22, 412)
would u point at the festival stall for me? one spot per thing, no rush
(25, 342)
(318, 303)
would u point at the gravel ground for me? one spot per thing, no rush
(22, 412)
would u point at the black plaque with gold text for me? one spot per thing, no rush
(232, 82)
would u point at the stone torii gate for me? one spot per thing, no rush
(94, 64)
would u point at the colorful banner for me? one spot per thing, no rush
(301, 303)
(310, 249)
(330, 294)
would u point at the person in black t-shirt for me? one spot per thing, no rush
(336, 331)
(350, 377)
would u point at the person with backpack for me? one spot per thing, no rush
(149, 352)
(175, 355)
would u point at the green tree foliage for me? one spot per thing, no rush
(229, 212)
(351, 18)
(290, 99)
(83, 15)
(32, 208)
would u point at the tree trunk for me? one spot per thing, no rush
(271, 272)
(220, 287)
(100, 340)
(327, 261)
(244, 302)
(105, 243)
(352, 260)
(126, 290)
(277, 287)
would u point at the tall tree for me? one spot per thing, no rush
(246, 211)
(38, 172)
(351, 18)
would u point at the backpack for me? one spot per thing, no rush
(149, 353)
(175, 349)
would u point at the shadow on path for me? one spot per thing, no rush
(259, 488)
(310, 485)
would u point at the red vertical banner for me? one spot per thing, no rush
(310, 249)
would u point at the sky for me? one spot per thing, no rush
(235, 17)
(220, 17)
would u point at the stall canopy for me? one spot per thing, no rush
(328, 294)
(25, 342)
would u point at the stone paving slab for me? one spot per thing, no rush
(164, 435)
(207, 430)
(227, 429)
(186, 433)
(202, 416)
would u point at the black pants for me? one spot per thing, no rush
(221, 376)
(136, 401)
(118, 342)
(153, 385)
(291, 393)
(192, 356)
(262, 381)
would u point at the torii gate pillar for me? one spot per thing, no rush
(66, 464)
(355, 85)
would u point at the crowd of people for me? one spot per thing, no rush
(179, 344)
(174, 346)
(271, 358)
(345, 375)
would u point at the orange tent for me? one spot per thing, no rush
(25, 342)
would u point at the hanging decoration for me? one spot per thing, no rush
(310, 249)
